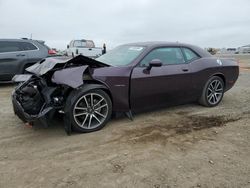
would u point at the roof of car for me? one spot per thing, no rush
(154, 44)
(15, 39)
(159, 43)
(22, 40)
(37, 42)
(151, 43)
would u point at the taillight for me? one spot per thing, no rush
(52, 52)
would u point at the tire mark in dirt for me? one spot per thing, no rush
(159, 132)
(162, 130)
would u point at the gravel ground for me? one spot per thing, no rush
(183, 146)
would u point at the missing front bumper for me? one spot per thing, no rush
(43, 116)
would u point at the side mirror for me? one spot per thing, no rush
(154, 63)
(68, 46)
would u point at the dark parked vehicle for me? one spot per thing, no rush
(18, 54)
(129, 78)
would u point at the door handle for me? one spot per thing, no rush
(18, 55)
(90, 48)
(184, 69)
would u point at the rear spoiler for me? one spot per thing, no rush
(41, 41)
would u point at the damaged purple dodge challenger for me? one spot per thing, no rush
(129, 78)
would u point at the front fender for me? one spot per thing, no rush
(71, 77)
(87, 87)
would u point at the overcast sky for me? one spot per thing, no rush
(207, 23)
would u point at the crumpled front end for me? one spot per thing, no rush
(33, 100)
(44, 92)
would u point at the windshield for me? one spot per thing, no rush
(121, 55)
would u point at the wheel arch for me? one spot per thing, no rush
(26, 65)
(94, 84)
(221, 75)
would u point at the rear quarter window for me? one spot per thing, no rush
(90, 44)
(26, 46)
(189, 54)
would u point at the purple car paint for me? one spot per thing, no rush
(71, 77)
(133, 77)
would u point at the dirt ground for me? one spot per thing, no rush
(183, 146)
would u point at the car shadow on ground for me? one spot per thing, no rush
(56, 124)
(183, 121)
(6, 84)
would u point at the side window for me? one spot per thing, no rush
(28, 46)
(168, 56)
(90, 44)
(9, 46)
(190, 55)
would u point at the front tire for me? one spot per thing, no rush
(213, 92)
(90, 110)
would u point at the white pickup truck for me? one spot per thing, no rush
(83, 47)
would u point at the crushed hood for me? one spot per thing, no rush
(47, 64)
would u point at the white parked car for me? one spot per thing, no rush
(83, 47)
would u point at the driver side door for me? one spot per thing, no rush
(168, 84)
(11, 58)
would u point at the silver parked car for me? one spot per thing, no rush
(18, 54)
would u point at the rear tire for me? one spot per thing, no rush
(213, 92)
